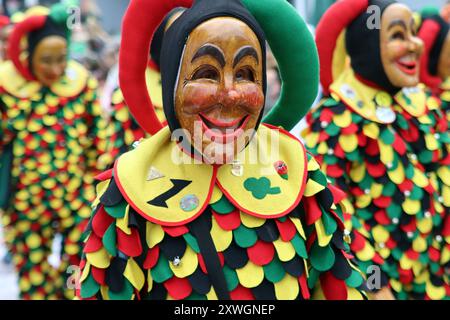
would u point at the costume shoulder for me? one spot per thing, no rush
(75, 80)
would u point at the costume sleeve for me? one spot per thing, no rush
(109, 267)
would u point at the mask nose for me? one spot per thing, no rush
(230, 97)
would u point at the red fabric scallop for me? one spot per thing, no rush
(382, 218)
(326, 115)
(372, 148)
(287, 229)
(412, 254)
(228, 221)
(101, 221)
(304, 287)
(261, 253)
(376, 170)
(333, 288)
(446, 228)
(434, 254)
(323, 136)
(338, 194)
(351, 129)
(312, 209)
(339, 152)
(338, 220)
(241, 293)
(382, 202)
(334, 171)
(411, 226)
(104, 175)
(391, 244)
(152, 258)
(378, 259)
(362, 140)
(99, 275)
(406, 185)
(405, 276)
(129, 244)
(358, 243)
(178, 288)
(93, 244)
(176, 231)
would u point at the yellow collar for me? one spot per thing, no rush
(446, 85)
(165, 186)
(70, 85)
(374, 104)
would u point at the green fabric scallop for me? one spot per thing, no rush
(332, 129)
(355, 279)
(274, 271)
(297, 59)
(244, 236)
(195, 296)
(109, 240)
(388, 189)
(223, 206)
(161, 272)
(353, 156)
(299, 246)
(89, 287)
(192, 242)
(231, 278)
(125, 294)
(387, 136)
(313, 278)
(117, 211)
(322, 258)
(329, 223)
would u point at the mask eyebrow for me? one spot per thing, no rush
(243, 52)
(210, 50)
(400, 23)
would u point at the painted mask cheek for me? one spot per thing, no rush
(198, 96)
(398, 50)
(252, 97)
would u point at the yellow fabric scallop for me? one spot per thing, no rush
(211, 295)
(149, 281)
(435, 293)
(343, 120)
(188, 265)
(216, 195)
(99, 259)
(419, 244)
(122, 114)
(363, 201)
(380, 234)
(104, 292)
(419, 179)
(386, 152)
(371, 130)
(251, 221)
(348, 142)
(221, 238)
(357, 172)
(323, 238)
(298, 226)
(406, 263)
(425, 225)
(251, 275)
(312, 188)
(376, 190)
(313, 165)
(431, 142)
(353, 294)
(312, 139)
(122, 223)
(285, 250)
(411, 207)
(398, 175)
(154, 234)
(287, 289)
(322, 148)
(384, 253)
(366, 254)
(134, 274)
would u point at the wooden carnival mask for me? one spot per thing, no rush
(400, 47)
(219, 94)
(49, 60)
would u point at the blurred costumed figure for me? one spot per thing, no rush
(50, 139)
(359, 134)
(194, 217)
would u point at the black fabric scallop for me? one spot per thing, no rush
(332, 142)
(132, 218)
(173, 247)
(112, 195)
(325, 198)
(268, 232)
(294, 267)
(341, 269)
(338, 109)
(436, 281)
(200, 282)
(158, 292)
(265, 291)
(338, 239)
(114, 274)
(235, 256)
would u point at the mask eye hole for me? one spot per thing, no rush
(245, 74)
(398, 36)
(206, 72)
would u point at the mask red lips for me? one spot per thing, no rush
(408, 67)
(223, 131)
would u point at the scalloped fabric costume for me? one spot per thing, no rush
(165, 226)
(279, 239)
(360, 135)
(55, 135)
